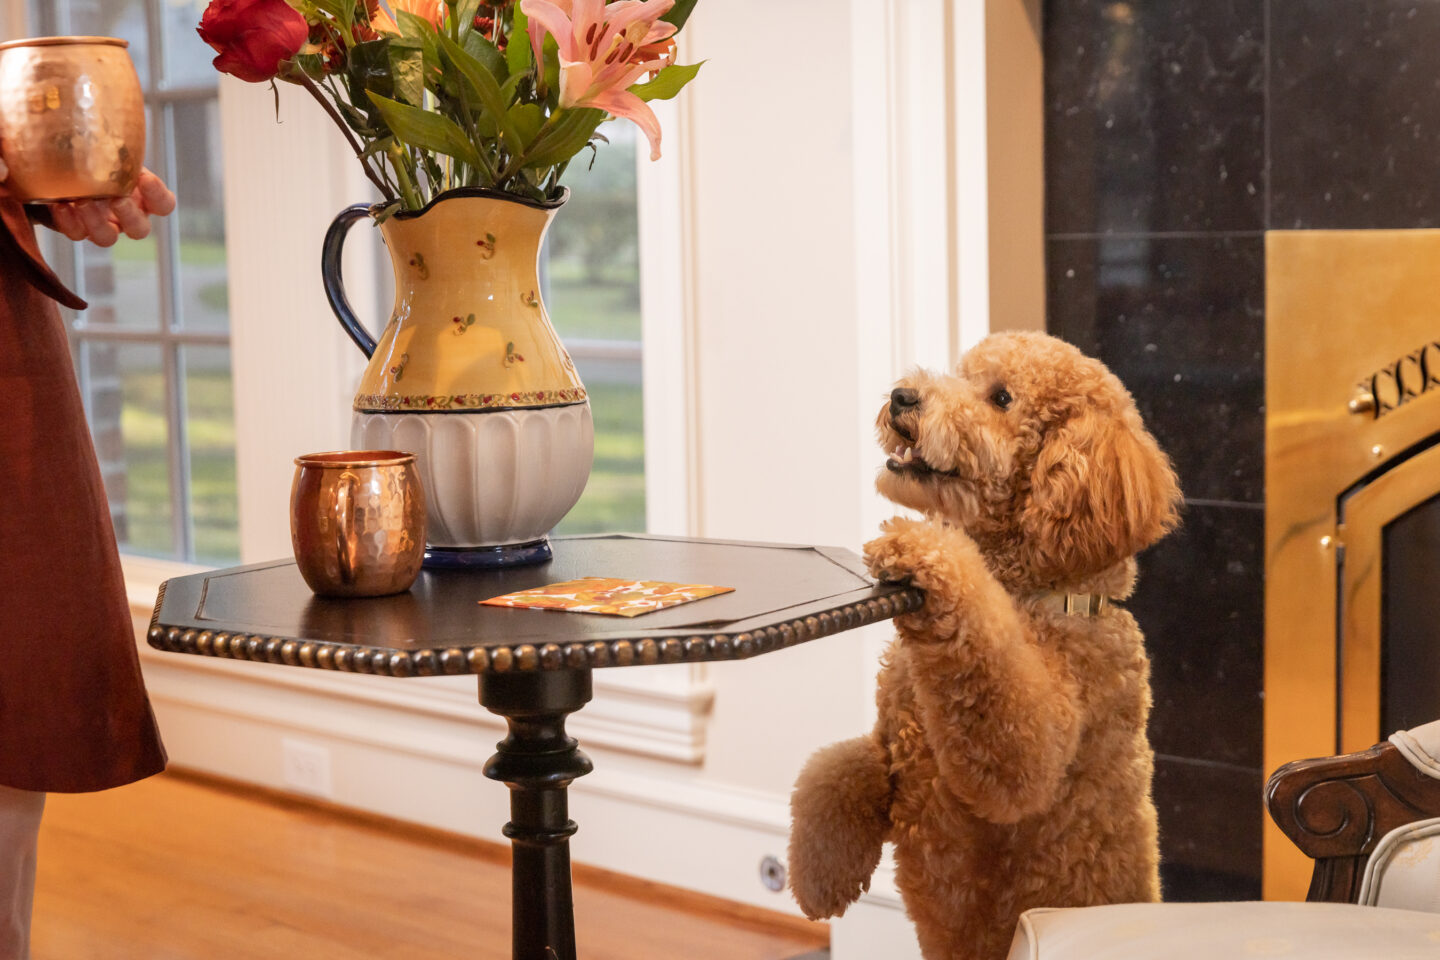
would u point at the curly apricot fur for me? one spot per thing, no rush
(1009, 764)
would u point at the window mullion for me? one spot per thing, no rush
(167, 262)
(167, 257)
(184, 533)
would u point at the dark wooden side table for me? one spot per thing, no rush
(534, 665)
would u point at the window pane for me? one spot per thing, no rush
(204, 294)
(593, 273)
(124, 387)
(210, 430)
(187, 57)
(122, 283)
(102, 18)
(614, 499)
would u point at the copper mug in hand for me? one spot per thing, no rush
(72, 119)
(357, 522)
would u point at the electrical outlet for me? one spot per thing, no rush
(772, 874)
(305, 768)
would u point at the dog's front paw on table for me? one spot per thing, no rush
(930, 556)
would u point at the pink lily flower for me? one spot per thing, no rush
(604, 48)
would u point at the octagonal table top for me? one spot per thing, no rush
(783, 595)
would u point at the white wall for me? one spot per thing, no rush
(831, 198)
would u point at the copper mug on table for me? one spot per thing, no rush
(72, 118)
(357, 522)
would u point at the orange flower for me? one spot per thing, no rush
(430, 10)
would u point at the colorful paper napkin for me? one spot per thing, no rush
(613, 596)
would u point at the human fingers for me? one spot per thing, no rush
(96, 218)
(64, 218)
(127, 216)
(155, 197)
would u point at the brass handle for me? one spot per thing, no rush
(344, 525)
(1362, 403)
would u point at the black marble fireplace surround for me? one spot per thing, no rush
(1177, 133)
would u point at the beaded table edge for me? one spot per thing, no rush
(454, 661)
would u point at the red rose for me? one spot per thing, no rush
(253, 37)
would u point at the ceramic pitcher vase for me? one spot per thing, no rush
(470, 376)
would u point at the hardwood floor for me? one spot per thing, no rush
(183, 868)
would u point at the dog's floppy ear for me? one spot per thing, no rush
(1101, 491)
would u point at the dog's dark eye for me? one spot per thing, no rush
(1001, 398)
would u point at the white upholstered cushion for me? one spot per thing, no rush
(1404, 870)
(1226, 931)
(1421, 746)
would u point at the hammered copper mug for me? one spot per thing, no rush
(72, 118)
(357, 522)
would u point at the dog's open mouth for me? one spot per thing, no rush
(906, 460)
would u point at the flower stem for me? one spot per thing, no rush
(401, 162)
(329, 109)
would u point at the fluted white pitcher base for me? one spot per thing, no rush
(494, 477)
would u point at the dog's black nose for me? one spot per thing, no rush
(902, 399)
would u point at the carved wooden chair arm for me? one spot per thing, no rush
(1336, 810)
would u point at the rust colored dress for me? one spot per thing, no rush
(73, 711)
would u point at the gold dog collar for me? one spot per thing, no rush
(1073, 604)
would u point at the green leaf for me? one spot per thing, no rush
(426, 130)
(407, 72)
(357, 119)
(667, 82)
(367, 67)
(367, 70)
(551, 52)
(527, 118)
(417, 30)
(480, 47)
(518, 56)
(347, 18)
(508, 88)
(564, 136)
(311, 64)
(679, 13)
(376, 147)
(341, 13)
(412, 26)
(483, 83)
(464, 13)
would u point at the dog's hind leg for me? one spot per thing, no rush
(839, 820)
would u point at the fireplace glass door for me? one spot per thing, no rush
(1390, 602)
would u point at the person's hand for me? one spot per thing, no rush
(102, 221)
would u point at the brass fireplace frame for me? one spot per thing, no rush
(1352, 386)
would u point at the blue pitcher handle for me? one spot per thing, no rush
(334, 285)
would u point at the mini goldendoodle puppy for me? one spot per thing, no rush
(1009, 764)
